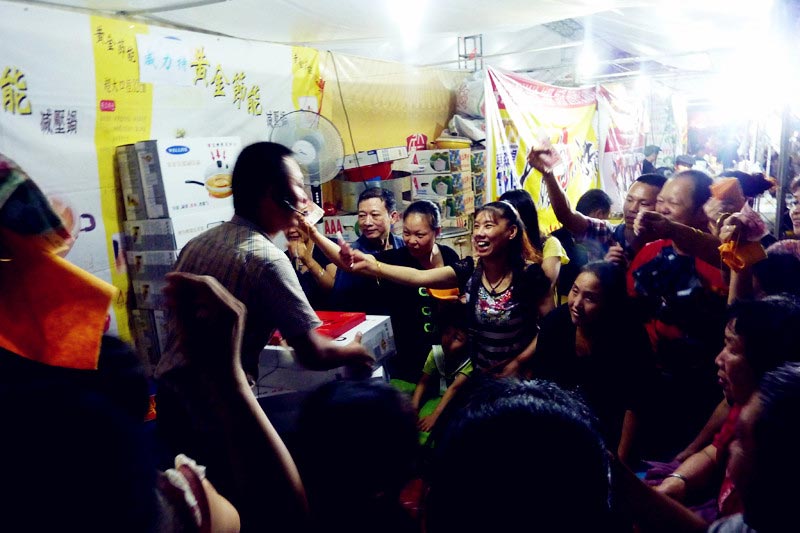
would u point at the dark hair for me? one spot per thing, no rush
(260, 170)
(526, 208)
(427, 209)
(339, 423)
(520, 247)
(76, 461)
(768, 499)
(593, 200)
(768, 328)
(653, 179)
(702, 186)
(453, 314)
(684, 160)
(778, 273)
(386, 196)
(527, 453)
(612, 280)
(752, 184)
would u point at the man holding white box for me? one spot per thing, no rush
(268, 197)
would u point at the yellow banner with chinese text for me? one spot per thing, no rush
(520, 114)
(124, 114)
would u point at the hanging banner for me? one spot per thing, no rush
(62, 128)
(124, 106)
(622, 119)
(520, 114)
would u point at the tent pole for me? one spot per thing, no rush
(783, 167)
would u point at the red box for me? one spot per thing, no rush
(335, 323)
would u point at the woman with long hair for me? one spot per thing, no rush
(505, 288)
(547, 246)
(594, 346)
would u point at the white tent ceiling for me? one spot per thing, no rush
(677, 40)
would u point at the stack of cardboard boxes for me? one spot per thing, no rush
(444, 176)
(173, 190)
(478, 166)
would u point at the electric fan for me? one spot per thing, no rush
(317, 146)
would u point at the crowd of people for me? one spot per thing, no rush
(643, 376)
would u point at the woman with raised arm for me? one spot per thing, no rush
(548, 246)
(505, 288)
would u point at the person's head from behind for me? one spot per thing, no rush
(641, 196)
(779, 272)
(651, 152)
(519, 456)
(377, 211)
(268, 187)
(74, 461)
(421, 227)
(523, 203)
(752, 184)
(684, 162)
(759, 336)
(682, 198)
(453, 324)
(344, 428)
(598, 294)
(594, 203)
(763, 455)
(499, 232)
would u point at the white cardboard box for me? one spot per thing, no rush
(372, 157)
(130, 182)
(440, 185)
(149, 294)
(145, 337)
(149, 329)
(347, 224)
(150, 265)
(185, 176)
(172, 233)
(278, 370)
(440, 161)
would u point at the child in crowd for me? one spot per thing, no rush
(449, 362)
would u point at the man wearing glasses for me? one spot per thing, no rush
(268, 197)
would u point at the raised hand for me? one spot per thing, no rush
(731, 228)
(617, 255)
(652, 225)
(364, 263)
(543, 159)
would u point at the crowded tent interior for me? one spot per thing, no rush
(325, 266)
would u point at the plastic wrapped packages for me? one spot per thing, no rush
(469, 96)
(471, 128)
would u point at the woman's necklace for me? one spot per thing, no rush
(493, 286)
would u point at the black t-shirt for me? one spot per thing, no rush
(578, 256)
(615, 377)
(413, 312)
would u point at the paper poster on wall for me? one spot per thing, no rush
(237, 88)
(62, 128)
(164, 60)
(123, 106)
(521, 113)
(47, 119)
